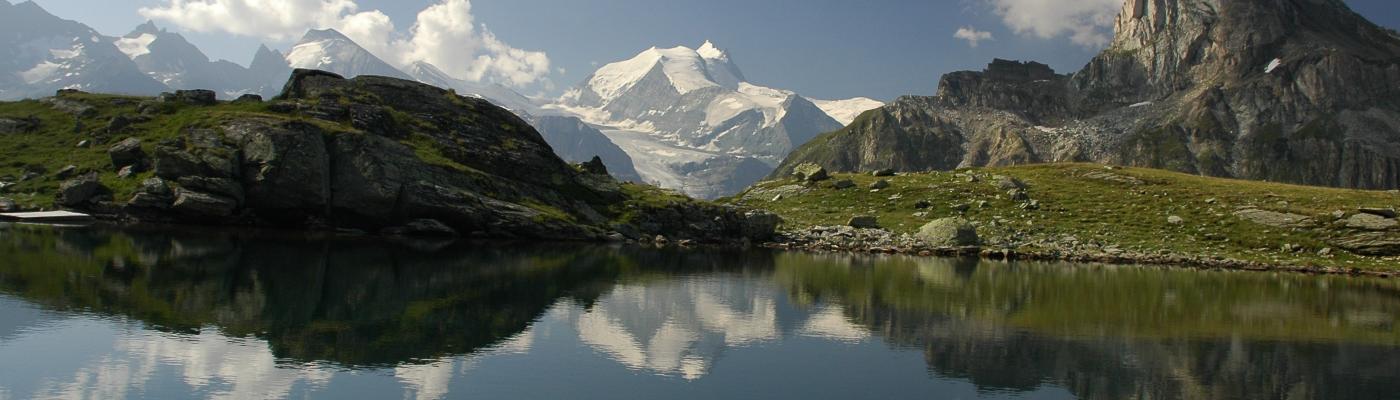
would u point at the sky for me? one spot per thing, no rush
(826, 49)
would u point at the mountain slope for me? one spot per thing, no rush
(576, 142)
(41, 53)
(702, 114)
(1269, 90)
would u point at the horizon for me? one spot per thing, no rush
(881, 60)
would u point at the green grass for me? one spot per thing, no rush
(1131, 217)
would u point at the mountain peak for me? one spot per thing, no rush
(323, 34)
(712, 52)
(147, 28)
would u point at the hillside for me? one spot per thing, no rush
(1092, 212)
(372, 154)
(1299, 91)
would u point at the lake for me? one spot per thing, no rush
(162, 313)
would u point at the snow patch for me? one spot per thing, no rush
(1273, 65)
(846, 111)
(67, 53)
(137, 46)
(1142, 104)
(41, 72)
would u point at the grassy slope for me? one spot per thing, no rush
(54, 145)
(1132, 217)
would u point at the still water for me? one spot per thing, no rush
(111, 314)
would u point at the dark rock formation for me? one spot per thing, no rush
(385, 155)
(1300, 91)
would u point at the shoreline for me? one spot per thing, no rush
(806, 242)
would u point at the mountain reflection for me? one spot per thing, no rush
(257, 315)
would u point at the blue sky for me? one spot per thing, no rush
(820, 48)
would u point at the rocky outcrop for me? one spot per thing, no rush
(386, 155)
(1298, 91)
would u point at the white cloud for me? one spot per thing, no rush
(445, 34)
(1086, 22)
(972, 35)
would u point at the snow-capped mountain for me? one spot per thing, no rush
(169, 58)
(41, 53)
(329, 50)
(698, 100)
(846, 111)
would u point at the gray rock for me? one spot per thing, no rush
(10, 126)
(1007, 183)
(811, 173)
(1381, 212)
(83, 144)
(422, 227)
(7, 205)
(883, 172)
(127, 153)
(843, 184)
(949, 232)
(66, 172)
(1018, 195)
(219, 186)
(202, 205)
(961, 207)
(864, 222)
(198, 97)
(1370, 222)
(248, 98)
(153, 193)
(922, 205)
(118, 124)
(595, 166)
(1379, 244)
(760, 225)
(127, 172)
(1175, 220)
(880, 184)
(80, 191)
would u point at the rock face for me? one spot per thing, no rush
(383, 154)
(1268, 90)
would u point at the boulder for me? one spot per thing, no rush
(202, 205)
(422, 227)
(864, 222)
(1175, 220)
(760, 225)
(80, 191)
(285, 165)
(1379, 244)
(1370, 222)
(153, 193)
(127, 172)
(811, 172)
(7, 205)
(922, 205)
(1018, 195)
(119, 123)
(18, 125)
(880, 184)
(248, 98)
(127, 153)
(1380, 212)
(843, 184)
(1007, 183)
(949, 232)
(66, 172)
(219, 186)
(197, 97)
(1273, 218)
(883, 172)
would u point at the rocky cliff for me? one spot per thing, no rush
(371, 153)
(1300, 91)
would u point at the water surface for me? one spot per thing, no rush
(110, 314)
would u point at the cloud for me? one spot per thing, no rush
(444, 34)
(1087, 23)
(972, 36)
